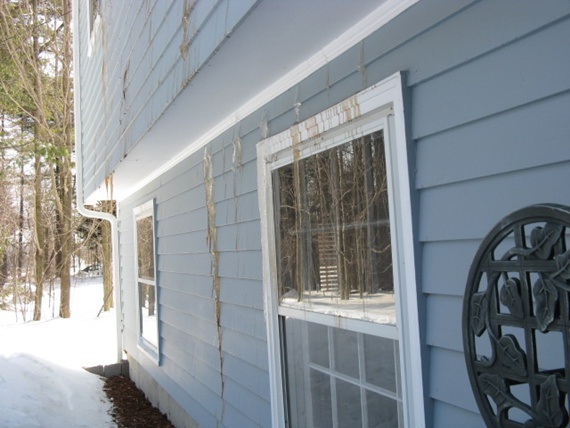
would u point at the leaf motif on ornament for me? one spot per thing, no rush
(511, 355)
(549, 410)
(545, 295)
(510, 296)
(544, 239)
(479, 309)
(563, 265)
(495, 387)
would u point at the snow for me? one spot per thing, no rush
(42, 381)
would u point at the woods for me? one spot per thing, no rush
(43, 241)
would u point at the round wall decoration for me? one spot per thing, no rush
(516, 320)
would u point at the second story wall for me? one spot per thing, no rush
(135, 59)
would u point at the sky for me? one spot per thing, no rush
(42, 380)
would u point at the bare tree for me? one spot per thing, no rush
(96, 239)
(36, 37)
(106, 252)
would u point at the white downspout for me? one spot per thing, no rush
(79, 191)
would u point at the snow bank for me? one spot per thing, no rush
(38, 393)
(42, 383)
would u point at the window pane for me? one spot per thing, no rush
(321, 399)
(147, 308)
(145, 248)
(348, 404)
(382, 411)
(295, 370)
(318, 344)
(346, 352)
(379, 362)
(308, 389)
(333, 230)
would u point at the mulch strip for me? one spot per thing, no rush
(131, 409)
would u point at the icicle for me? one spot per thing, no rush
(236, 154)
(264, 127)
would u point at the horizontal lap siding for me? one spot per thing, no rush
(445, 264)
(478, 149)
(489, 93)
(491, 136)
(445, 412)
(440, 331)
(190, 357)
(449, 384)
(137, 68)
(503, 79)
(469, 209)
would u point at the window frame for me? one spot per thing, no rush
(153, 351)
(381, 106)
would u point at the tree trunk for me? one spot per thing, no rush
(19, 259)
(65, 188)
(65, 238)
(39, 240)
(38, 229)
(106, 255)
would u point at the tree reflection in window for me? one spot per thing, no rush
(333, 222)
(146, 279)
(145, 248)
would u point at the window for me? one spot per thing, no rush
(333, 230)
(340, 302)
(146, 278)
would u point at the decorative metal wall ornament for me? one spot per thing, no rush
(516, 320)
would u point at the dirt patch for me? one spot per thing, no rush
(131, 409)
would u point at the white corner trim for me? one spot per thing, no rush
(386, 12)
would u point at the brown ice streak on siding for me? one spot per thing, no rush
(186, 36)
(237, 167)
(212, 237)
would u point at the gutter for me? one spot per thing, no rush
(80, 198)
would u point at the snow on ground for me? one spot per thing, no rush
(42, 383)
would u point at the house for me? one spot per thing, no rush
(314, 202)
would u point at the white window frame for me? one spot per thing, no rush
(152, 350)
(355, 116)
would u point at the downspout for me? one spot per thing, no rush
(80, 198)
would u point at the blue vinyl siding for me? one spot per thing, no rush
(190, 357)
(491, 136)
(489, 96)
(449, 384)
(479, 148)
(140, 76)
